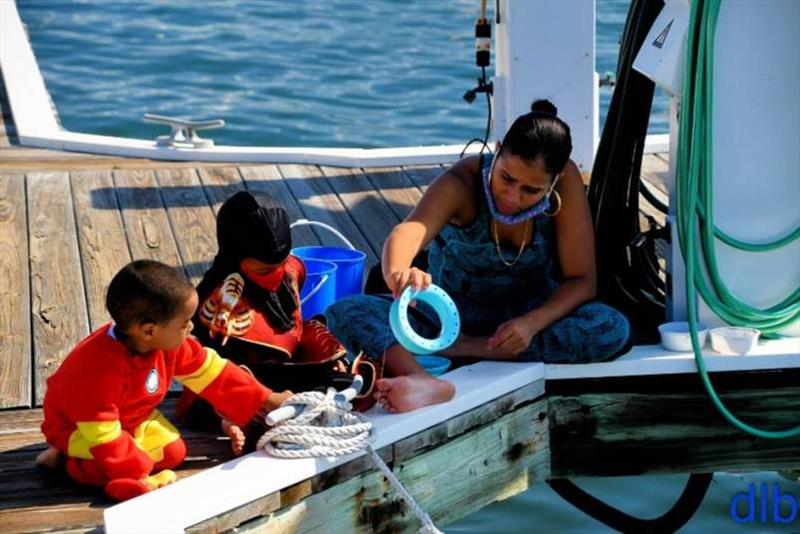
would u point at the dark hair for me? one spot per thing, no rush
(253, 225)
(540, 134)
(146, 291)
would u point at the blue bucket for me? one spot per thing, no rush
(319, 291)
(349, 261)
(349, 266)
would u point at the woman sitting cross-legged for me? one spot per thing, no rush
(511, 241)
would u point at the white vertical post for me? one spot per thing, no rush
(677, 309)
(546, 49)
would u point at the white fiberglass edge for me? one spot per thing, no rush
(197, 498)
(656, 360)
(31, 104)
(37, 125)
(212, 492)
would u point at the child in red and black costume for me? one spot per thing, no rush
(100, 406)
(250, 311)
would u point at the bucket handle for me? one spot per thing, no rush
(337, 233)
(316, 289)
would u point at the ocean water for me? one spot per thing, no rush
(345, 73)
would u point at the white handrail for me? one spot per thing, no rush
(316, 289)
(337, 233)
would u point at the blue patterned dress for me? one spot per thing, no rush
(487, 292)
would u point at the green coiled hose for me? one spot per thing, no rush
(695, 212)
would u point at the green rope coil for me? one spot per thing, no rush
(695, 213)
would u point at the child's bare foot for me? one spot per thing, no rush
(50, 457)
(233, 431)
(407, 393)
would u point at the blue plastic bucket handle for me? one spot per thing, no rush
(444, 307)
(319, 289)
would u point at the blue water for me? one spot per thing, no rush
(363, 73)
(285, 73)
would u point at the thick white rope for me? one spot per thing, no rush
(327, 426)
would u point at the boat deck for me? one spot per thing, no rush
(69, 221)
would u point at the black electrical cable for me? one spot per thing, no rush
(484, 142)
(627, 263)
(648, 195)
(627, 266)
(670, 521)
(483, 40)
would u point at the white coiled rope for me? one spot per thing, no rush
(324, 425)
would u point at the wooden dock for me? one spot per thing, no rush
(69, 221)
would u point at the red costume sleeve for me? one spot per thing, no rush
(229, 388)
(94, 406)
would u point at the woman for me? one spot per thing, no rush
(511, 241)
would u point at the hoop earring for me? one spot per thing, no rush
(557, 210)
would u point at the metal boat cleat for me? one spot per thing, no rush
(184, 131)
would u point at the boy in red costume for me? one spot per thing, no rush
(100, 407)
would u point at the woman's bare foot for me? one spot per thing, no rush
(50, 457)
(233, 431)
(407, 393)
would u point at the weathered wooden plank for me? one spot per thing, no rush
(320, 203)
(396, 188)
(81, 517)
(620, 433)
(146, 224)
(19, 421)
(104, 247)
(36, 500)
(423, 176)
(401, 450)
(291, 495)
(220, 183)
(15, 324)
(463, 423)
(58, 298)
(267, 179)
(191, 219)
(25, 159)
(496, 461)
(367, 208)
(501, 459)
(655, 170)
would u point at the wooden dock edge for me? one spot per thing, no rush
(579, 427)
(628, 426)
(453, 469)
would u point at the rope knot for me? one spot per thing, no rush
(325, 426)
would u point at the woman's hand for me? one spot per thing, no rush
(399, 280)
(513, 336)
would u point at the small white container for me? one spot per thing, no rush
(734, 339)
(675, 336)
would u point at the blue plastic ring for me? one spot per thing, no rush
(444, 307)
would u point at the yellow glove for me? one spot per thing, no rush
(160, 479)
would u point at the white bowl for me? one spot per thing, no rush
(675, 336)
(734, 339)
